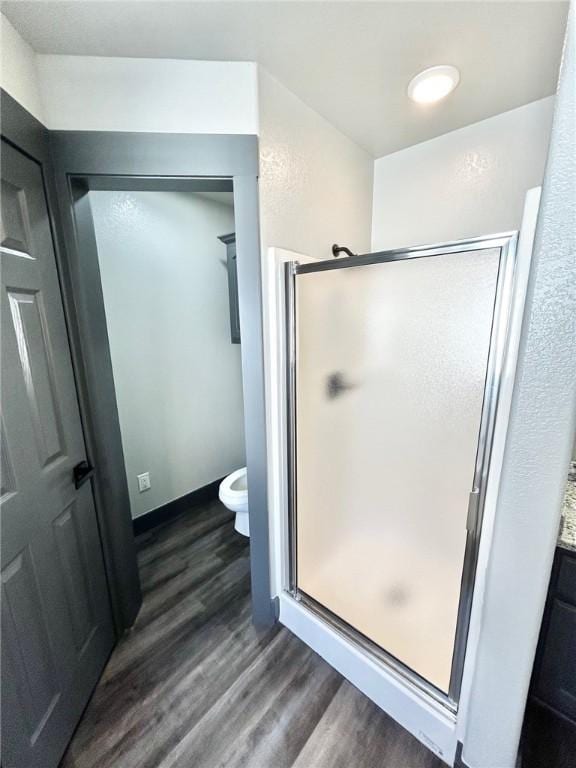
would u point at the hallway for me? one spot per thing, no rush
(194, 684)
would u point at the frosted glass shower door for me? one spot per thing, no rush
(390, 370)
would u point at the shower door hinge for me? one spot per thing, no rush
(473, 508)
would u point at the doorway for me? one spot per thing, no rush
(85, 163)
(171, 313)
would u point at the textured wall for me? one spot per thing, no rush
(315, 183)
(538, 449)
(18, 75)
(465, 183)
(177, 376)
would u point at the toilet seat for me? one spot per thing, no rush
(228, 489)
(233, 493)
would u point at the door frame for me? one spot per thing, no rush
(81, 159)
(73, 662)
(67, 160)
(27, 134)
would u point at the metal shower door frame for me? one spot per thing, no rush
(506, 243)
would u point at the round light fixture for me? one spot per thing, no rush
(433, 84)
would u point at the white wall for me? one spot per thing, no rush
(120, 94)
(538, 450)
(98, 93)
(465, 183)
(315, 183)
(177, 375)
(18, 73)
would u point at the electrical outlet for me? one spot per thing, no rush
(143, 482)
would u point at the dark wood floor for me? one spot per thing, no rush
(194, 685)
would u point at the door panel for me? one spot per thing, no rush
(7, 479)
(391, 363)
(25, 630)
(56, 629)
(15, 226)
(72, 564)
(35, 355)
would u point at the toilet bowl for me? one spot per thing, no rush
(233, 493)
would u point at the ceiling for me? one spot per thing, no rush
(350, 61)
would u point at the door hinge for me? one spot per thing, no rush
(473, 508)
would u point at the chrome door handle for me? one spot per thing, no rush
(82, 472)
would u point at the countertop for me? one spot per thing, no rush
(567, 537)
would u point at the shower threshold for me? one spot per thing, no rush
(415, 682)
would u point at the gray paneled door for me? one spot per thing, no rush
(56, 623)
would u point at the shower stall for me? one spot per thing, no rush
(394, 363)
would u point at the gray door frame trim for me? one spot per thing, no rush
(81, 159)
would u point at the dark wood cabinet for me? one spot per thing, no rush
(230, 243)
(554, 676)
(556, 682)
(549, 736)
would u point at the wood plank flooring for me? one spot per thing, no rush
(194, 685)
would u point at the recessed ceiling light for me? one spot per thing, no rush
(433, 84)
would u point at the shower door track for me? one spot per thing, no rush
(506, 243)
(417, 684)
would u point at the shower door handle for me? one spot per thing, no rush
(336, 385)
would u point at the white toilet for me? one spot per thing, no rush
(233, 493)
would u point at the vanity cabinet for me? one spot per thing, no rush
(554, 676)
(231, 263)
(549, 734)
